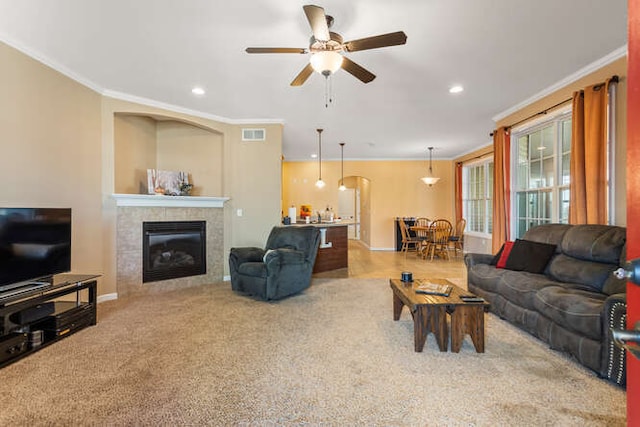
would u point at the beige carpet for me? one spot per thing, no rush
(330, 356)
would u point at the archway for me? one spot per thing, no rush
(354, 206)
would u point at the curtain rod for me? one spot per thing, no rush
(614, 79)
(479, 156)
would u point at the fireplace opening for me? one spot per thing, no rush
(172, 249)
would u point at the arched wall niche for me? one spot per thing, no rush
(154, 141)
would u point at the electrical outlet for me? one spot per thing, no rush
(239, 212)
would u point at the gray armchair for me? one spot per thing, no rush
(283, 268)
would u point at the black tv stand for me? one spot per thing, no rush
(36, 315)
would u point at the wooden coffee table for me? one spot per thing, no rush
(429, 314)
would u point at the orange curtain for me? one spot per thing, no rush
(501, 187)
(458, 192)
(588, 186)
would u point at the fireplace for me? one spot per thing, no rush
(172, 249)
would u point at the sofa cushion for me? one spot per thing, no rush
(548, 233)
(521, 287)
(530, 256)
(594, 275)
(486, 276)
(599, 243)
(575, 309)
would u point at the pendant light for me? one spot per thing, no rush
(319, 182)
(430, 179)
(342, 187)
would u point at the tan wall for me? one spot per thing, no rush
(135, 150)
(50, 139)
(253, 180)
(395, 190)
(198, 151)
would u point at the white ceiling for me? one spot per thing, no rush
(502, 51)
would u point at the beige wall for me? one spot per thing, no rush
(395, 190)
(198, 151)
(50, 140)
(135, 150)
(253, 180)
(142, 142)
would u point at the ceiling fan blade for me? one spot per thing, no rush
(383, 40)
(275, 50)
(318, 22)
(357, 71)
(302, 76)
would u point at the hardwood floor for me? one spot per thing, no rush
(364, 263)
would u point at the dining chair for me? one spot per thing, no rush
(439, 233)
(456, 241)
(422, 234)
(408, 240)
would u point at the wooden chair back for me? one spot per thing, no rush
(422, 222)
(439, 233)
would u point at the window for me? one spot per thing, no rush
(477, 196)
(541, 174)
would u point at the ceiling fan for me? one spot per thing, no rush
(326, 48)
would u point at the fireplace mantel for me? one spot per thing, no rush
(151, 200)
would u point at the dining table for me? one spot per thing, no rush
(426, 233)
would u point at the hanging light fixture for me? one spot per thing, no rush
(342, 187)
(319, 182)
(430, 179)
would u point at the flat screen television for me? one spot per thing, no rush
(35, 244)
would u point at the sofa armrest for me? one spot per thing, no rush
(614, 316)
(249, 254)
(471, 259)
(284, 256)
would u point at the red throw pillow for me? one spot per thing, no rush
(502, 262)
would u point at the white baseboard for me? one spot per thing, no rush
(107, 297)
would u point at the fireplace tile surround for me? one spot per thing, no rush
(129, 222)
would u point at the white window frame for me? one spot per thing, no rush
(488, 184)
(554, 118)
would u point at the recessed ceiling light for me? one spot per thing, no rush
(313, 156)
(198, 91)
(456, 89)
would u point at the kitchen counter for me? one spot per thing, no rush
(333, 252)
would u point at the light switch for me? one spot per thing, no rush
(239, 212)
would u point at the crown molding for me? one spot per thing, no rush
(177, 109)
(583, 72)
(124, 96)
(51, 63)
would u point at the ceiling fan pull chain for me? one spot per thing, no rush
(330, 90)
(326, 92)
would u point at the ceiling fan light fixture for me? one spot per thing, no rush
(326, 62)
